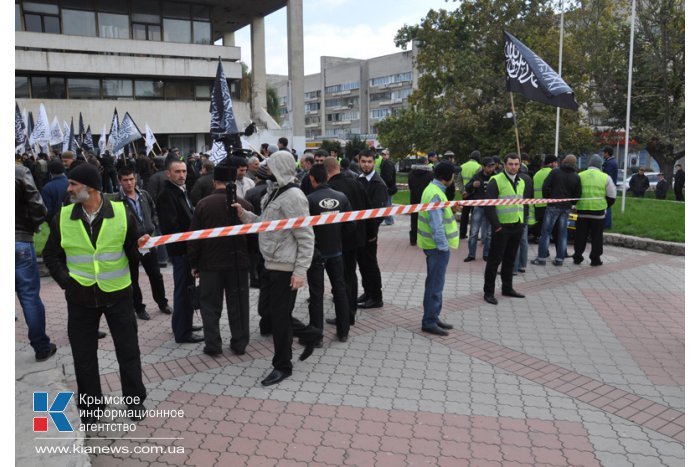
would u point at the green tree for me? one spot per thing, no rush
(273, 104)
(329, 146)
(353, 145)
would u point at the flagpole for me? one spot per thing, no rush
(561, 42)
(629, 106)
(515, 121)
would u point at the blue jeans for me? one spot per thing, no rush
(521, 255)
(389, 220)
(434, 283)
(554, 217)
(607, 224)
(479, 222)
(27, 288)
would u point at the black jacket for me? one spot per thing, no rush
(377, 196)
(255, 194)
(419, 177)
(55, 257)
(329, 238)
(356, 195)
(203, 187)
(387, 170)
(30, 211)
(175, 215)
(149, 224)
(661, 190)
(156, 184)
(217, 254)
(480, 191)
(639, 184)
(562, 182)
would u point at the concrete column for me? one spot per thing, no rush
(229, 38)
(257, 41)
(295, 64)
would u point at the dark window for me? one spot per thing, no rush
(78, 23)
(178, 90)
(147, 11)
(52, 24)
(18, 17)
(148, 89)
(202, 32)
(113, 26)
(202, 91)
(177, 10)
(177, 30)
(40, 87)
(21, 86)
(82, 88)
(112, 6)
(32, 23)
(117, 88)
(45, 7)
(57, 88)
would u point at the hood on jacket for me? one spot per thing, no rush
(283, 167)
(421, 167)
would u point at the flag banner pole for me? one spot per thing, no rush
(515, 121)
(629, 108)
(561, 46)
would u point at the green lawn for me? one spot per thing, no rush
(644, 217)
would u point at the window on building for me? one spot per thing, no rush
(18, 17)
(312, 94)
(40, 87)
(146, 11)
(380, 96)
(178, 90)
(146, 32)
(21, 87)
(117, 88)
(83, 88)
(110, 6)
(113, 25)
(47, 7)
(177, 30)
(38, 17)
(177, 10)
(202, 32)
(202, 91)
(33, 23)
(57, 87)
(312, 107)
(148, 89)
(78, 23)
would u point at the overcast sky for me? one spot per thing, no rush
(340, 28)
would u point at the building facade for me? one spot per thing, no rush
(155, 59)
(350, 96)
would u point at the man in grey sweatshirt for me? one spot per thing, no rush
(287, 255)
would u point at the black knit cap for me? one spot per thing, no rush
(444, 170)
(225, 172)
(87, 174)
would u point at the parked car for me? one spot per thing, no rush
(652, 176)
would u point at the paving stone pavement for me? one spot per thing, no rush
(587, 370)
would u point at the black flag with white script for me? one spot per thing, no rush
(529, 75)
(221, 108)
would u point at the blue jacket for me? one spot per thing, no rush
(53, 195)
(610, 168)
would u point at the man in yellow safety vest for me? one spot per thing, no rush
(437, 233)
(88, 253)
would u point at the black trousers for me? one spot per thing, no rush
(152, 268)
(255, 259)
(679, 193)
(464, 221)
(536, 228)
(83, 324)
(504, 247)
(212, 287)
(350, 275)
(275, 309)
(334, 269)
(413, 233)
(584, 228)
(369, 269)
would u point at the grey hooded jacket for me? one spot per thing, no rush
(284, 250)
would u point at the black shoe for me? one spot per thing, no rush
(308, 350)
(265, 332)
(468, 259)
(578, 260)
(254, 284)
(275, 377)
(196, 328)
(413, 243)
(437, 330)
(143, 314)
(163, 265)
(212, 352)
(191, 339)
(362, 298)
(166, 309)
(521, 270)
(237, 351)
(101, 335)
(512, 293)
(443, 325)
(138, 412)
(491, 299)
(596, 263)
(343, 338)
(331, 321)
(371, 303)
(43, 356)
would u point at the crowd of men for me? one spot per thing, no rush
(100, 209)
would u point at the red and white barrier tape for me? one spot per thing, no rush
(333, 218)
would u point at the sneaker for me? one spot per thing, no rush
(539, 262)
(166, 309)
(143, 314)
(43, 356)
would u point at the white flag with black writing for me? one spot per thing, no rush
(56, 133)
